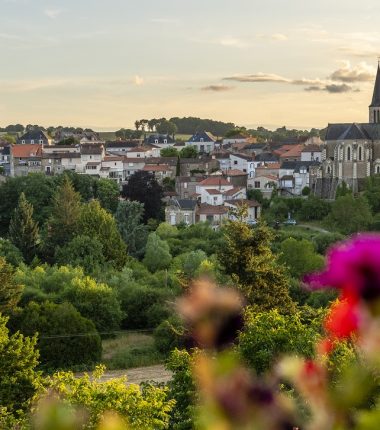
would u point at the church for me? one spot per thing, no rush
(351, 152)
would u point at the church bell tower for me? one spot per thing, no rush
(374, 107)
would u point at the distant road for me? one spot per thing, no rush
(312, 227)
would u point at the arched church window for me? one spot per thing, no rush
(329, 170)
(360, 153)
(348, 154)
(377, 169)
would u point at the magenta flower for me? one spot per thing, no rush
(353, 267)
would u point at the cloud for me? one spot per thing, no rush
(52, 13)
(275, 36)
(217, 88)
(360, 73)
(333, 88)
(139, 81)
(233, 42)
(338, 82)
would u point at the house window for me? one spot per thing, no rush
(138, 155)
(257, 184)
(41, 141)
(172, 219)
(155, 140)
(32, 141)
(165, 141)
(23, 142)
(186, 218)
(90, 157)
(185, 185)
(202, 140)
(378, 169)
(235, 162)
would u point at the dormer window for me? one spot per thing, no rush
(32, 141)
(23, 142)
(165, 141)
(156, 141)
(202, 140)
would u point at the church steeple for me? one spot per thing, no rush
(374, 107)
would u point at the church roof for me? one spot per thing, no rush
(356, 131)
(376, 91)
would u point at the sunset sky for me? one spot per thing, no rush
(105, 63)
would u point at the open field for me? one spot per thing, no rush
(130, 350)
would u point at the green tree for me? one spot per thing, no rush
(300, 257)
(107, 192)
(23, 230)
(129, 216)
(95, 301)
(188, 151)
(96, 222)
(63, 222)
(166, 127)
(143, 187)
(82, 251)
(314, 208)
(157, 253)
(10, 252)
(167, 231)
(349, 215)
(10, 289)
(246, 256)
(18, 360)
(372, 192)
(183, 390)
(65, 338)
(268, 335)
(170, 151)
(342, 190)
(141, 408)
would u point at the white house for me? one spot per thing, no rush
(253, 208)
(245, 163)
(216, 183)
(203, 141)
(311, 153)
(264, 183)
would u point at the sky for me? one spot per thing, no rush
(105, 63)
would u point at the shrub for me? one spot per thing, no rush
(65, 337)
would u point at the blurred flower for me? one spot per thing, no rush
(353, 267)
(343, 319)
(213, 315)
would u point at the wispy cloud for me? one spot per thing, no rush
(339, 81)
(217, 88)
(275, 36)
(233, 42)
(52, 13)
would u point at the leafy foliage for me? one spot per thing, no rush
(157, 253)
(268, 335)
(10, 290)
(65, 337)
(247, 257)
(23, 230)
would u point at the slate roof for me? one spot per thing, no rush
(123, 144)
(376, 90)
(160, 139)
(186, 204)
(205, 135)
(266, 157)
(296, 165)
(34, 135)
(233, 191)
(91, 148)
(312, 148)
(244, 156)
(356, 131)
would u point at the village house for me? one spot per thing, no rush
(223, 158)
(119, 147)
(5, 158)
(180, 211)
(204, 165)
(211, 189)
(272, 169)
(289, 152)
(265, 183)
(311, 153)
(236, 177)
(185, 186)
(112, 168)
(203, 141)
(253, 209)
(33, 137)
(215, 215)
(160, 171)
(132, 165)
(245, 163)
(25, 159)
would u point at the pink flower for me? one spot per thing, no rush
(353, 267)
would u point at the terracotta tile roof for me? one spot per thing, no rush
(233, 191)
(213, 192)
(112, 158)
(236, 172)
(27, 150)
(214, 180)
(271, 177)
(206, 209)
(294, 151)
(93, 163)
